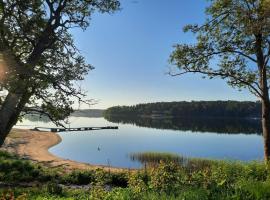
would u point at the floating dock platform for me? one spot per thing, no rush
(73, 129)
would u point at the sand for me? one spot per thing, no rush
(34, 145)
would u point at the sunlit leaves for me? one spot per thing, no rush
(43, 59)
(226, 43)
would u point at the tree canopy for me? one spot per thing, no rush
(228, 42)
(39, 61)
(233, 44)
(38, 55)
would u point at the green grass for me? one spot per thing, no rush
(197, 180)
(15, 170)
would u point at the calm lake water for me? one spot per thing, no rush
(215, 139)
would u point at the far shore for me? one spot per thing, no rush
(34, 145)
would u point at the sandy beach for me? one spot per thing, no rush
(34, 145)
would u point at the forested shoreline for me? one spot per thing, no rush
(194, 124)
(234, 109)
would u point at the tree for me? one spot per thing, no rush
(39, 62)
(233, 44)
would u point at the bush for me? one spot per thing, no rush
(7, 155)
(119, 180)
(95, 177)
(165, 178)
(14, 169)
(98, 193)
(79, 177)
(214, 180)
(138, 182)
(54, 189)
(102, 177)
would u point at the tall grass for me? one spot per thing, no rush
(151, 159)
(196, 180)
(156, 157)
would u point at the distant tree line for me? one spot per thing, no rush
(87, 113)
(196, 124)
(95, 113)
(235, 109)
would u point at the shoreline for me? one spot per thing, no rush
(35, 145)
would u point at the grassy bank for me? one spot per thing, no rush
(21, 179)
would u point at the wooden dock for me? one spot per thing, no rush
(73, 129)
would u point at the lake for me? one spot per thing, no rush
(232, 139)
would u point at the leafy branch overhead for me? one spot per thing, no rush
(39, 52)
(231, 44)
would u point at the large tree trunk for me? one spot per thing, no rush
(264, 94)
(265, 113)
(266, 128)
(15, 101)
(10, 112)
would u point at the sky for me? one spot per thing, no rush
(130, 50)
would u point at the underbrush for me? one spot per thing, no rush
(212, 180)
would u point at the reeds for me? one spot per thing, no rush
(151, 159)
(156, 157)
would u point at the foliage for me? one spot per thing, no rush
(98, 193)
(13, 169)
(40, 63)
(138, 183)
(54, 188)
(165, 178)
(118, 179)
(250, 190)
(232, 44)
(236, 109)
(211, 180)
(79, 177)
(204, 116)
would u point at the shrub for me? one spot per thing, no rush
(9, 195)
(79, 177)
(119, 180)
(98, 193)
(165, 178)
(14, 169)
(6, 155)
(101, 177)
(138, 182)
(54, 188)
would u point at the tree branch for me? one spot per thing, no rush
(222, 75)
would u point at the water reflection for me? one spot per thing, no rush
(114, 146)
(213, 125)
(36, 118)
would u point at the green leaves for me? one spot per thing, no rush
(226, 44)
(42, 57)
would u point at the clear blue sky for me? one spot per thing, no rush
(130, 51)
